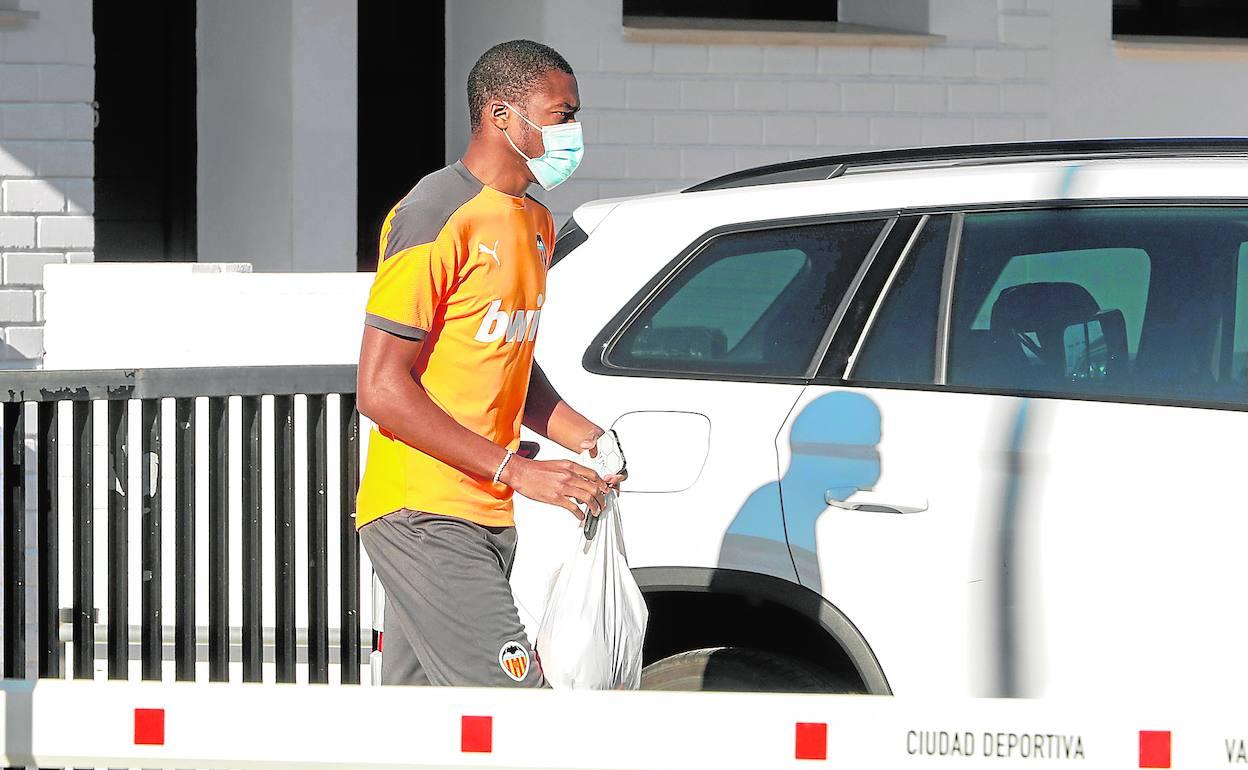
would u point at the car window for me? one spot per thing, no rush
(713, 298)
(1114, 277)
(900, 342)
(1128, 301)
(751, 303)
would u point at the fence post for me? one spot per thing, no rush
(118, 539)
(84, 541)
(318, 545)
(184, 541)
(218, 540)
(48, 544)
(253, 638)
(349, 538)
(284, 536)
(152, 577)
(14, 540)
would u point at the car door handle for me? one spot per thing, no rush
(866, 500)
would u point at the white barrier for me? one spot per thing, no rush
(65, 724)
(153, 315)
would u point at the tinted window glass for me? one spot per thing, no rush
(749, 303)
(1239, 343)
(1114, 277)
(900, 345)
(1121, 301)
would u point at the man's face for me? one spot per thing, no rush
(554, 100)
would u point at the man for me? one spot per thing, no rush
(446, 372)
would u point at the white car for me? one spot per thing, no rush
(953, 421)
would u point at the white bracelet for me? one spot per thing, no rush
(498, 474)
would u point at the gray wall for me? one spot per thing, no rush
(472, 26)
(661, 115)
(1141, 89)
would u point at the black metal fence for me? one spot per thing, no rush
(118, 391)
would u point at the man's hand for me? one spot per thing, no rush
(557, 482)
(546, 413)
(590, 444)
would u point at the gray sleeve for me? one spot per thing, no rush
(395, 328)
(424, 211)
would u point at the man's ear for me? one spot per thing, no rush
(499, 114)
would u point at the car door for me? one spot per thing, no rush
(907, 580)
(1134, 322)
(1034, 381)
(700, 369)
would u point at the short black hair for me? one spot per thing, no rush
(509, 71)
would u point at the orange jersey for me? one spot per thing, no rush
(462, 266)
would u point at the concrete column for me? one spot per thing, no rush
(325, 91)
(277, 133)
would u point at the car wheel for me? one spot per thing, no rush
(741, 669)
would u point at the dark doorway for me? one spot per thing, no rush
(145, 134)
(402, 105)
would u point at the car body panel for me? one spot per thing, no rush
(1119, 519)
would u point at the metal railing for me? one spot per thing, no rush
(237, 389)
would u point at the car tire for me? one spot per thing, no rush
(741, 669)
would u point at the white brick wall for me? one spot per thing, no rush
(662, 116)
(32, 196)
(47, 84)
(26, 268)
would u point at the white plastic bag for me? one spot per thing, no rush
(595, 620)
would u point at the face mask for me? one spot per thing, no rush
(564, 148)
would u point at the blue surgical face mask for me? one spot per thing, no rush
(565, 146)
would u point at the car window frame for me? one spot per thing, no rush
(594, 359)
(838, 377)
(844, 356)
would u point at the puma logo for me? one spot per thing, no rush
(481, 247)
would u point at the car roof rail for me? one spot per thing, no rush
(833, 166)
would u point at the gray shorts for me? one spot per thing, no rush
(450, 616)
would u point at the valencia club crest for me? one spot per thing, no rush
(514, 660)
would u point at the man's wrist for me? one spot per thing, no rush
(512, 470)
(498, 472)
(589, 440)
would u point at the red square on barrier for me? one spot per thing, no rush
(1154, 748)
(812, 740)
(149, 727)
(476, 734)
